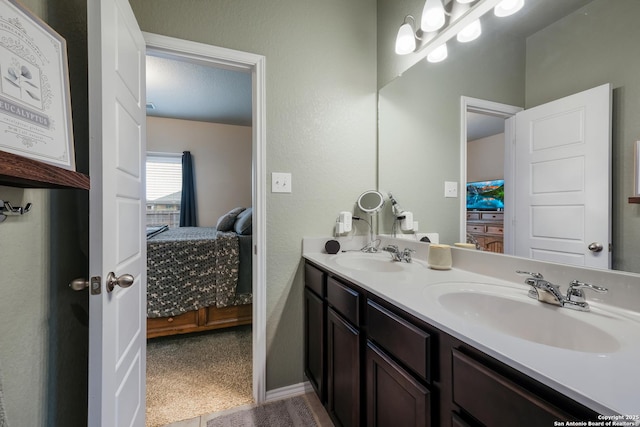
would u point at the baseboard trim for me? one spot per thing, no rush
(289, 391)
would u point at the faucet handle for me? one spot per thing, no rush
(534, 275)
(575, 292)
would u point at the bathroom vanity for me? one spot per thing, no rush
(381, 348)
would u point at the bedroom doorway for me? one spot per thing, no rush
(487, 128)
(245, 64)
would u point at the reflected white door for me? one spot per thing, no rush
(117, 340)
(563, 180)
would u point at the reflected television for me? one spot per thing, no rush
(485, 195)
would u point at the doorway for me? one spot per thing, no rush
(208, 55)
(481, 119)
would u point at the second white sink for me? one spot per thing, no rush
(510, 311)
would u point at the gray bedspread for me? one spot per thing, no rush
(189, 268)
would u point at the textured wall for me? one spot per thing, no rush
(598, 44)
(320, 122)
(222, 161)
(23, 308)
(485, 158)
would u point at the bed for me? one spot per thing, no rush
(198, 279)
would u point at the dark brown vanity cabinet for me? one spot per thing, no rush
(314, 329)
(373, 364)
(343, 354)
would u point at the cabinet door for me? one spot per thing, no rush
(394, 397)
(343, 376)
(314, 339)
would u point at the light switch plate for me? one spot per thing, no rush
(280, 182)
(450, 189)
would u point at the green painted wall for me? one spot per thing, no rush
(321, 127)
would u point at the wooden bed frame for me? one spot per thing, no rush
(204, 319)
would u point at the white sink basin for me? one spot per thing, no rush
(378, 262)
(510, 311)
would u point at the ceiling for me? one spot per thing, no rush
(191, 91)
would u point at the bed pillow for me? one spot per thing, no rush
(226, 221)
(243, 222)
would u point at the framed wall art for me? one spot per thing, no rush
(35, 104)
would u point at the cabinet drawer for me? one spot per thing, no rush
(475, 228)
(492, 216)
(401, 339)
(495, 229)
(344, 300)
(190, 318)
(473, 215)
(314, 279)
(495, 400)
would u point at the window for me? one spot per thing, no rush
(164, 188)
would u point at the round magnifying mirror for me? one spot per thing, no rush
(371, 202)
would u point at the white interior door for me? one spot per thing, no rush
(563, 179)
(117, 340)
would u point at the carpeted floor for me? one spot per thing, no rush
(192, 375)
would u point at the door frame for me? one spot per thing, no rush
(482, 106)
(241, 61)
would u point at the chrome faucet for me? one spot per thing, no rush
(549, 293)
(542, 290)
(396, 255)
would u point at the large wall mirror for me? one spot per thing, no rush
(549, 50)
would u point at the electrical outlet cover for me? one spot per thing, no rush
(280, 182)
(450, 189)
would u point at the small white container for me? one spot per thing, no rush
(439, 257)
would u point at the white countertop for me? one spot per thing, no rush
(607, 382)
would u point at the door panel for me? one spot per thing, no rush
(562, 179)
(117, 342)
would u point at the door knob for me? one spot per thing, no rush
(81, 283)
(595, 247)
(123, 281)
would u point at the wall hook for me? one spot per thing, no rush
(7, 209)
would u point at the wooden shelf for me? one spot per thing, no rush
(18, 171)
(635, 199)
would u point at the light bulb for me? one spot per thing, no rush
(508, 7)
(439, 54)
(432, 16)
(470, 32)
(405, 41)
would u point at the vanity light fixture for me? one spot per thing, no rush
(439, 54)
(508, 7)
(470, 32)
(463, 23)
(406, 40)
(432, 16)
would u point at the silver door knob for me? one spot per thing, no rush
(123, 281)
(81, 283)
(595, 247)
